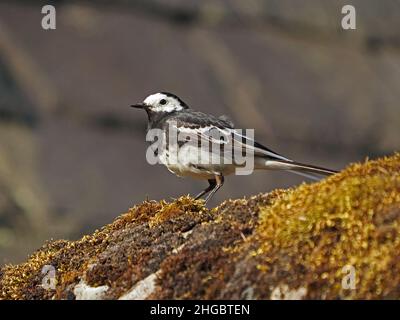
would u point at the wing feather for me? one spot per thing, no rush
(218, 133)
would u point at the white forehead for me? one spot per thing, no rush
(172, 104)
(155, 98)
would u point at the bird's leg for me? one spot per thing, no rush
(212, 185)
(220, 182)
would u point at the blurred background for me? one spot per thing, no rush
(72, 153)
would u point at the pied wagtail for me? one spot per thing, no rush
(166, 110)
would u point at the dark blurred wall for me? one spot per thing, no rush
(72, 154)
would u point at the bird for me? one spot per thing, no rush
(168, 115)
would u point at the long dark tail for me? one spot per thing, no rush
(306, 170)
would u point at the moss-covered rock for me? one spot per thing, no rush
(308, 242)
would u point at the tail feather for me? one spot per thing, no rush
(312, 169)
(302, 169)
(306, 175)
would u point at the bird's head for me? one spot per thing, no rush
(162, 102)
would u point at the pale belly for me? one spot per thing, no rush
(190, 162)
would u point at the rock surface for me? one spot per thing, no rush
(335, 239)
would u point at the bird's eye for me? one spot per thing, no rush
(163, 101)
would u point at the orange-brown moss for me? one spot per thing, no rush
(71, 258)
(296, 238)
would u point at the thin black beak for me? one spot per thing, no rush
(139, 106)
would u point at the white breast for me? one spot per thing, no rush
(189, 160)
